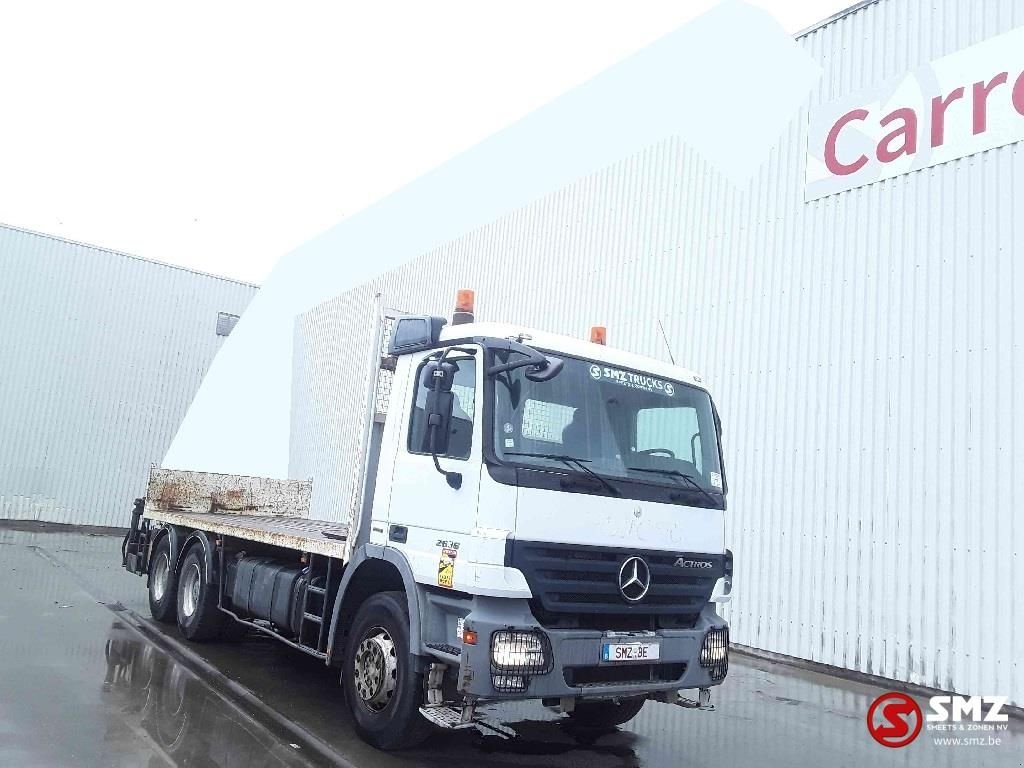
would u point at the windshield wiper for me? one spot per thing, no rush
(569, 461)
(677, 473)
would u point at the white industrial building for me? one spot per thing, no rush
(861, 331)
(100, 356)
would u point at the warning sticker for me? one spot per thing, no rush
(446, 568)
(716, 479)
(632, 380)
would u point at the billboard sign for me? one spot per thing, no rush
(967, 102)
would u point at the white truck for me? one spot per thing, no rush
(537, 517)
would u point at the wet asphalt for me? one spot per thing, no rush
(87, 679)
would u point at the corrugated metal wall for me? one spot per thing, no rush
(100, 356)
(864, 349)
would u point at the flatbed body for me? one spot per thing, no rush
(263, 510)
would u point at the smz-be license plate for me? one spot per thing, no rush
(629, 651)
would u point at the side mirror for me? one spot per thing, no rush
(439, 407)
(552, 368)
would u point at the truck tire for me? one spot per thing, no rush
(163, 586)
(199, 618)
(606, 714)
(383, 689)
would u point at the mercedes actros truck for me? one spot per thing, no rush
(536, 517)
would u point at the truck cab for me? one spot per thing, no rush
(561, 510)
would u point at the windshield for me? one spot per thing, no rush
(617, 423)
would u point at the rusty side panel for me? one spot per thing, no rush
(172, 490)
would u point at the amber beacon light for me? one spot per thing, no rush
(598, 334)
(464, 299)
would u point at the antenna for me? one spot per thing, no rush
(668, 346)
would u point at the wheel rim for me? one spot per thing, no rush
(190, 590)
(160, 577)
(376, 669)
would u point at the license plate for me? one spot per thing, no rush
(630, 651)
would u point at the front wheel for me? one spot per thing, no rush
(606, 714)
(383, 688)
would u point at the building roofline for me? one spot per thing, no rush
(835, 17)
(126, 255)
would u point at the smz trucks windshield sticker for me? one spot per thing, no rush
(632, 380)
(446, 568)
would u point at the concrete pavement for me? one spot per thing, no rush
(86, 679)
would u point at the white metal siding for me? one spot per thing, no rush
(864, 350)
(100, 356)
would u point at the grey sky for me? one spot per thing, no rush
(220, 136)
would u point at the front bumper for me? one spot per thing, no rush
(575, 667)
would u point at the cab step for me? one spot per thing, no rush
(447, 717)
(702, 702)
(452, 718)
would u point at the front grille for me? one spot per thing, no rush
(620, 675)
(578, 586)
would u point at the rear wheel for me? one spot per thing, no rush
(199, 618)
(606, 714)
(162, 584)
(383, 689)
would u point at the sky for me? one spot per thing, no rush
(220, 136)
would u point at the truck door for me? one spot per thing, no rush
(436, 517)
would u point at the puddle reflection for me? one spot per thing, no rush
(187, 724)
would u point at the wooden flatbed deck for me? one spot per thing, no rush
(317, 536)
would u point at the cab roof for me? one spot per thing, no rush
(574, 347)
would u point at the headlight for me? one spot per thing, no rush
(515, 656)
(714, 652)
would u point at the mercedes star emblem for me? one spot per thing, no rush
(634, 579)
